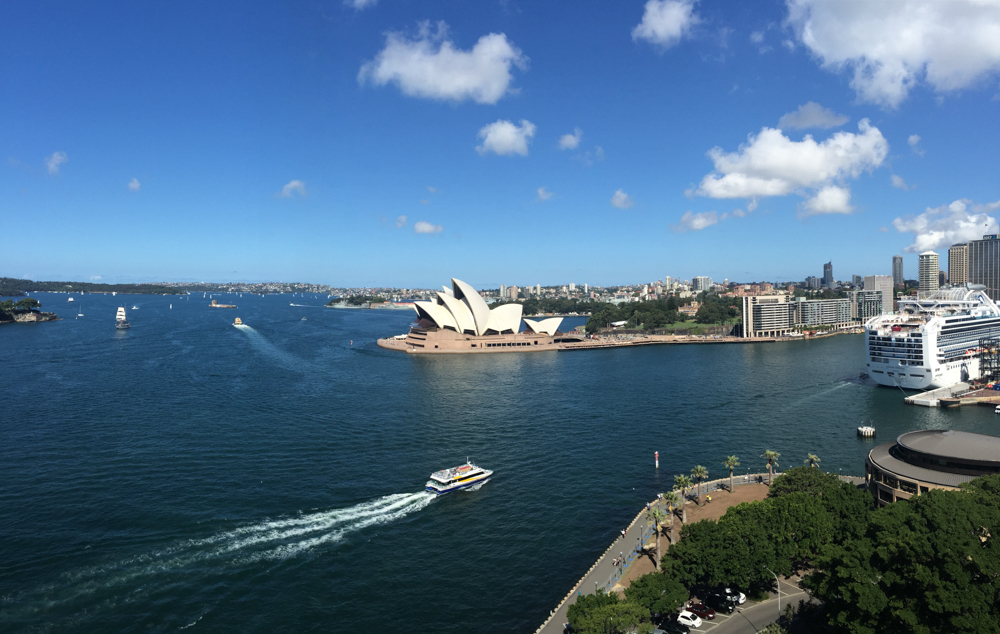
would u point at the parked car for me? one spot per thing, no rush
(721, 603)
(739, 596)
(701, 610)
(689, 619)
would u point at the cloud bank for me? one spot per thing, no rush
(53, 161)
(941, 227)
(891, 46)
(430, 66)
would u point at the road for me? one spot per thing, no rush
(751, 617)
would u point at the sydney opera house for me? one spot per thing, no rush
(459, 321)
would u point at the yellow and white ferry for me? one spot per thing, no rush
(460, 477)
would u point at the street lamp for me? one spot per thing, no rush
(779, 588)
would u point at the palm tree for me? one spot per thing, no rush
(772, 462)
(731, 463)
(672, 500)
(683, 483)
(656, 515)
(812, 459)
(699, 473)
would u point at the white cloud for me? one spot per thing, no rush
(430, 66)
(828, 200)
(543, 194)
(665, 22)
(95, 277)
(292, 187)
(55, 160)
(432, 189)
(504, 138)
(622, 200)
(570, 141)
(359, 5)
(696, 222)
(897, 181)
(891, 46)
(941, 227)
(757, 37)
(134, 185)
(426, 227)
(914, 142)
(812, 115)
(400, 222)
(771, 164)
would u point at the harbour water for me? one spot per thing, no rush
(189, 474)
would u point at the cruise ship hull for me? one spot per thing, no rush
(913, 378)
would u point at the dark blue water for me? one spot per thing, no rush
(189, 474)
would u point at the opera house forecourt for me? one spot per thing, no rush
(460, 321)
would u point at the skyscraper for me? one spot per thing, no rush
(883, 284)
(984, 264)
(828, 274)
(958, 264)
(897, 269)
(929, 268)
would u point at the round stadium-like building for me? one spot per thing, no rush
(918, 461)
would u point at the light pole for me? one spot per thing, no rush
(779, 588)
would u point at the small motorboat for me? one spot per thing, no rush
(238, 322)
(997, 410)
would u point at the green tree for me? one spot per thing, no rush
(731, 462)
(588, 603)
(699, 473)
(27, 303)
(772, 462)
(672, 500)
(657, 592)
(683, 483)
(812, 459)
(621, 617)
(656, 515)
(804, 480)
(928, 564)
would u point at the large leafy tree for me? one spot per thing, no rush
(804, 480)
(657, 592)
(930, 564)
(617, 617)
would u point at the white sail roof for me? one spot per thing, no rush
(462, 309)
(547, 326)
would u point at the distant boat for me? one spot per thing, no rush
(134, 307)
(238, 322)
(79, 315)
(171, 306)
(70, 299)
(120, 322)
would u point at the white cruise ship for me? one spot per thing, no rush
(931, 342)
(463, 476)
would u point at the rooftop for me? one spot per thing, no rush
(948, 443)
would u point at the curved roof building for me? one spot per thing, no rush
(929, 459)
(459, 320)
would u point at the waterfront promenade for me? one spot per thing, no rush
(637, 550)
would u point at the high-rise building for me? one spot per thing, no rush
(701, 283)
(572, 287)
(503, 290)
(813, 282)
(883, 284)
(942, 278)
(958, 264)
(828, 274)
(857, 280)
(585, 289)
(513, 291)
(866, 304)
(984, 264)
(928, 268)
(669, 281)
(897, 269)
(538, 290)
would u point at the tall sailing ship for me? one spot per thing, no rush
(933, 341)
(120, 322)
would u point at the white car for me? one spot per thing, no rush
(689, 619)
(739, 596)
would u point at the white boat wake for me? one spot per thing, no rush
(148, 573)
(268, 349)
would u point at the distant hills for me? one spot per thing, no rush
(11, 287)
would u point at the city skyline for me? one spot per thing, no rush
(371, 143)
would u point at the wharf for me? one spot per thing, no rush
(652, 340)
(931, 397)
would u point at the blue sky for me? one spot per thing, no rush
(401, 143)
